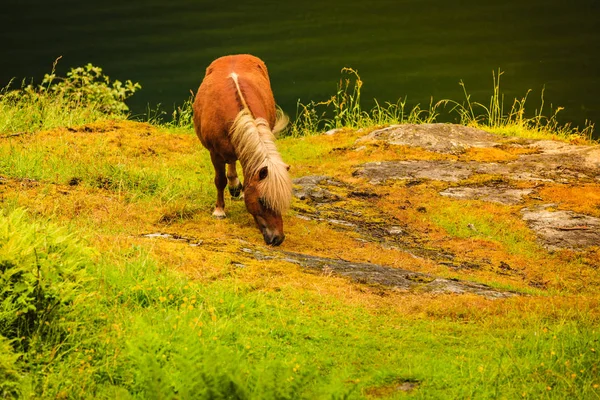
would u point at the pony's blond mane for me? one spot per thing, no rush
(254, 143)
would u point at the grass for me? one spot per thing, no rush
(344, 110)
(115, 314)
(515, 122)
(143, 330)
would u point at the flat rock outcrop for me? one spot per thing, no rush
(544, 161)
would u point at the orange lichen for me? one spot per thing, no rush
(491, 154)
(584, 198)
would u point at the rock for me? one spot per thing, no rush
(442, 138)
(541, 168)
(381, 275)
(503, 194)
(554, 161)
(562, 229)
(448, 171)
(307, 188)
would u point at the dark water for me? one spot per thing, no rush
(401, 48)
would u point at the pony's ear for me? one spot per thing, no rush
(262, 174)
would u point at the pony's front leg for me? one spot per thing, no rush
(220, 183)
(234, 184)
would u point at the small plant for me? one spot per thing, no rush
(9, 372)
(344, 110)
(41, 271)
(182, 116)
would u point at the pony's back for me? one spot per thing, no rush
(218, 102)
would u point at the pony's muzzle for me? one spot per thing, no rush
(273, 239)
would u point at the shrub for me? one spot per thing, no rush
(85, 95)
(88, 85)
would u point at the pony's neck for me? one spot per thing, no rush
(253, 142)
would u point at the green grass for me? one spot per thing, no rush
(140, 330)
(468, 220)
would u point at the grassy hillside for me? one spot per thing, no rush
(96, 302)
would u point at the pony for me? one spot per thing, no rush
(235, 118)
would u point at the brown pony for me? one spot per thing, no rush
(236, 119)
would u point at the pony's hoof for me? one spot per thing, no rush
(219, 213)
(237, 192)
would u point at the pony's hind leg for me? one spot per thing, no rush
(233, 183)
(220, 183)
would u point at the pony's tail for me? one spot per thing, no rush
(281, 122)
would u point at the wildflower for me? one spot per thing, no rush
(162, 298)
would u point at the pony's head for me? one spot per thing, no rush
(267, 183)
(266, 202)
